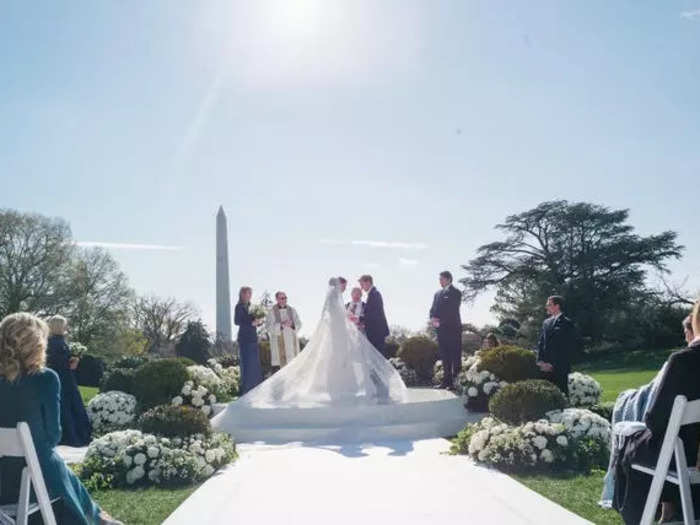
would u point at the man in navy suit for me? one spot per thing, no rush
(376, 327)
(444, 316)
(558, 341)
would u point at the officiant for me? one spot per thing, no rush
(282, 325)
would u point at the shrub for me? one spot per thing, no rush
(157, 382)
(391, 347)
(408, 375)
(184, 360)
(172, 421)
(604, 410)
(130, 361)
(194, 342)
(111, 411)
(509, 363)
(265, 358)
(525, 401)
(196, 396)
(584, 391)
(121, 379)
(130, 458)
(478, 387)
(90, 370)
(420, 353)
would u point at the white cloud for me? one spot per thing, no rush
(379, 244)
(127, 246)
(693, 14)
(407, 262)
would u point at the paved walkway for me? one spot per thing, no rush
(407, 482)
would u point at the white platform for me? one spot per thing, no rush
(402, 482)
(429, 413)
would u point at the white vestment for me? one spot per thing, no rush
(284, 343)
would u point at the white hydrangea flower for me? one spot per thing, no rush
(547, 456)
(177, 401)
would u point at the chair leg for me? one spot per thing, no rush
(23, 503)
(684, 484)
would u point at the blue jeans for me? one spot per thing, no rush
(251, 371)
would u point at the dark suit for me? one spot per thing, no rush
(446, 303)
(376, 327)
(558, 341)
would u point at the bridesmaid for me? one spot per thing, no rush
(251, 371)
(32, 393)
(74, 419)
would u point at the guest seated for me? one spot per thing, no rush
(32, 393)
(631, 406)
(490, 341)
(74, 419)
(680, 377)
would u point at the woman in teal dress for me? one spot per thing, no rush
(32, 393)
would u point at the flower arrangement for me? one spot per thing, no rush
(573, 438)
(130, 458)
(209, 379)
(408, 375)
(230, 376)
(77, 350)
(584, 391)
(196, 396)
(111, 411)
(478, 386)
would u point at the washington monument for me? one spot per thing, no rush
(223, 288)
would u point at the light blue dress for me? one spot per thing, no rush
(36, 399)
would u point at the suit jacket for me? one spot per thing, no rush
(374, 318)
(445, 307)
(680, 378)
(558, 340)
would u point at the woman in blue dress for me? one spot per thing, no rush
(32, 393)
(74, 419)
(251, 371)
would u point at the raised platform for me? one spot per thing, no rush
(428, 413)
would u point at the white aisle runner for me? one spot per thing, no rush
(402, 482)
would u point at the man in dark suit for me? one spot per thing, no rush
(444, 316)
(376, 327)
(558, 341)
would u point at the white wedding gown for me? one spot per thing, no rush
(338, 367)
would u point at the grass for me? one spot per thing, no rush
(148, 506)
(88, 392)
(580, 493)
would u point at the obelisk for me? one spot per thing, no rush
(223, 288)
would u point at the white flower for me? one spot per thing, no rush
(210, 456)
(152, 452)
(472, 392)
(177, 401)
(547, 456)
(139, 459)
(561, 440)
(540, 442)
(127, 461)
(212, 399)
(206, 410)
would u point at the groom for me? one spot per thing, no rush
(376, 327)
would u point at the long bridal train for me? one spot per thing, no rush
(339, 389)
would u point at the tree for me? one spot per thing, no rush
(161, 321)
(35, 255)
(585, 252)
(97, 297)
(194, 342)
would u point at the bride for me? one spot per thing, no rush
(338, 367)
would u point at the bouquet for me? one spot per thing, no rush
(257, 311)
(77, 350)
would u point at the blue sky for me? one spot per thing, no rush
(417, 123)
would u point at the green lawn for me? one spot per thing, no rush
(580, 493)
(88, 392)
(142, 507)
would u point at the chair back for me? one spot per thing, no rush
(18, 442)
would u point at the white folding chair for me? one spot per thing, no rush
(18, 443)
(683, 413)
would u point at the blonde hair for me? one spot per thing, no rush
(22, 345)
(696, 318)
(57, 325)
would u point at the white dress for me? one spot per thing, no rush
(338, 366)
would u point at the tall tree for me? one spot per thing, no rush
(161, 321)
(586, 252)
(35, 256)
(194, 342)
